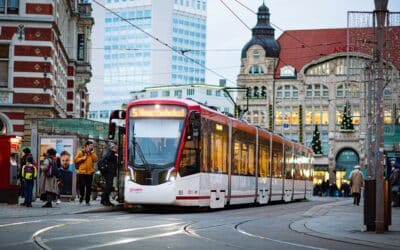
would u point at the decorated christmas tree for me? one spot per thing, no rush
(347, 120)
(316, 142)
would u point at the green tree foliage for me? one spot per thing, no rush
(316, 142)
(347, 120)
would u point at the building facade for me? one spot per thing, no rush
(44, 62)
(134, 60)
(306, 77)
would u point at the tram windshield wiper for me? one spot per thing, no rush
(137, 149)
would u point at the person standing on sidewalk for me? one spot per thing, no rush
(356, 182)
(48, 182)
(29, 174)
(85, 159)
(108, 166)
(395, 181)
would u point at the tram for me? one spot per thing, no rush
(179, 152)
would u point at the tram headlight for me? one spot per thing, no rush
(171, 175)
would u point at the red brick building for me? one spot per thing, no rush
(44, 62)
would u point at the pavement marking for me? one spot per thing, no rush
(38, 240)
(130, 240)
(113, 232)
(19, 223)
(275, 240)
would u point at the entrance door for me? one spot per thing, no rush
(346, 159)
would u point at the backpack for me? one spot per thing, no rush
(29, 172)
(51, 169)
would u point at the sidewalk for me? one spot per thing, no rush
(341, 220)
(71, 207)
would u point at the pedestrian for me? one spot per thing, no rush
(395, 182)
(85, 159)
(108, 166)
(49, 178)
(357, 182)
(29, 174)
(25, 155)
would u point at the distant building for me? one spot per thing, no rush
(304, 79)
(133, 60)
(210, 95)
(44, 62)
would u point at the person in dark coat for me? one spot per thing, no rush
(395, 182)
(110, 160)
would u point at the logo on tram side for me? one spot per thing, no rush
(135, 190)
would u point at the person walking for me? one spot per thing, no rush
(85, 159)
(48, 182)
(25, 155)
(29, 174)
(108, 166)
(357, 182)
(395, 182)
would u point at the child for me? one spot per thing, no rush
(29, 174)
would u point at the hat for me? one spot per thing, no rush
(357, 167)
(88, 143)
(26, 150)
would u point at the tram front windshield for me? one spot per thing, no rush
(153, 142)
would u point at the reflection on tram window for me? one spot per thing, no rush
(263, 162)
(215, 147)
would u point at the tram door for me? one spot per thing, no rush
(121, 167)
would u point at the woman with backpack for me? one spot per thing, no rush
(49, 178)
(28, 174)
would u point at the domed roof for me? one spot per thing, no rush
(263, 35)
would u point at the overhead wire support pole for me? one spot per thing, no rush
(381, 13)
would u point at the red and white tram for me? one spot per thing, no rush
(178, 152)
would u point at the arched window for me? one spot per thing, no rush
(256, 69)
(256, 54)
(287, 91)
(317, 91)
(348, 90)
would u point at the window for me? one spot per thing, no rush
(190, 92)
(178, 93)
(317, 91)
(287, 91)
(165, 93)
(9, 6)
(256, 69)
(153, 94)
(104, 114)
(209, 92)
(4, 53)
(256, 54)
(348, 90)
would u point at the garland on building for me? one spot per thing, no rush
(316, 142)
(300, 123)
(347, 120)
(271, 117)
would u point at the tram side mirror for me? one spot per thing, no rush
(111, 130)
(194, 126)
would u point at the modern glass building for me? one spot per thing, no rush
(133, 60)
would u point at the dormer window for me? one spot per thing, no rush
(256, 69)
(288, 72)
(256, 54)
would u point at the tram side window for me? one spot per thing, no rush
(298, 173)
(236, 157)
(263, 161)
(251, 160)
(205, 150)
(288, 164)
(219, 148)
(277, 160)
(190, 161)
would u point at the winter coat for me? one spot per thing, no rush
(356, 181)
(86, 166)
(48, 183)
(395, 177)
(111, 159)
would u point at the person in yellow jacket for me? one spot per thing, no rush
(85, 159)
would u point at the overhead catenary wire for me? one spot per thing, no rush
(180, 52)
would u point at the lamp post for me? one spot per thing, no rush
(381, 14)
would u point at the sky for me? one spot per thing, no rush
(226, 35)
